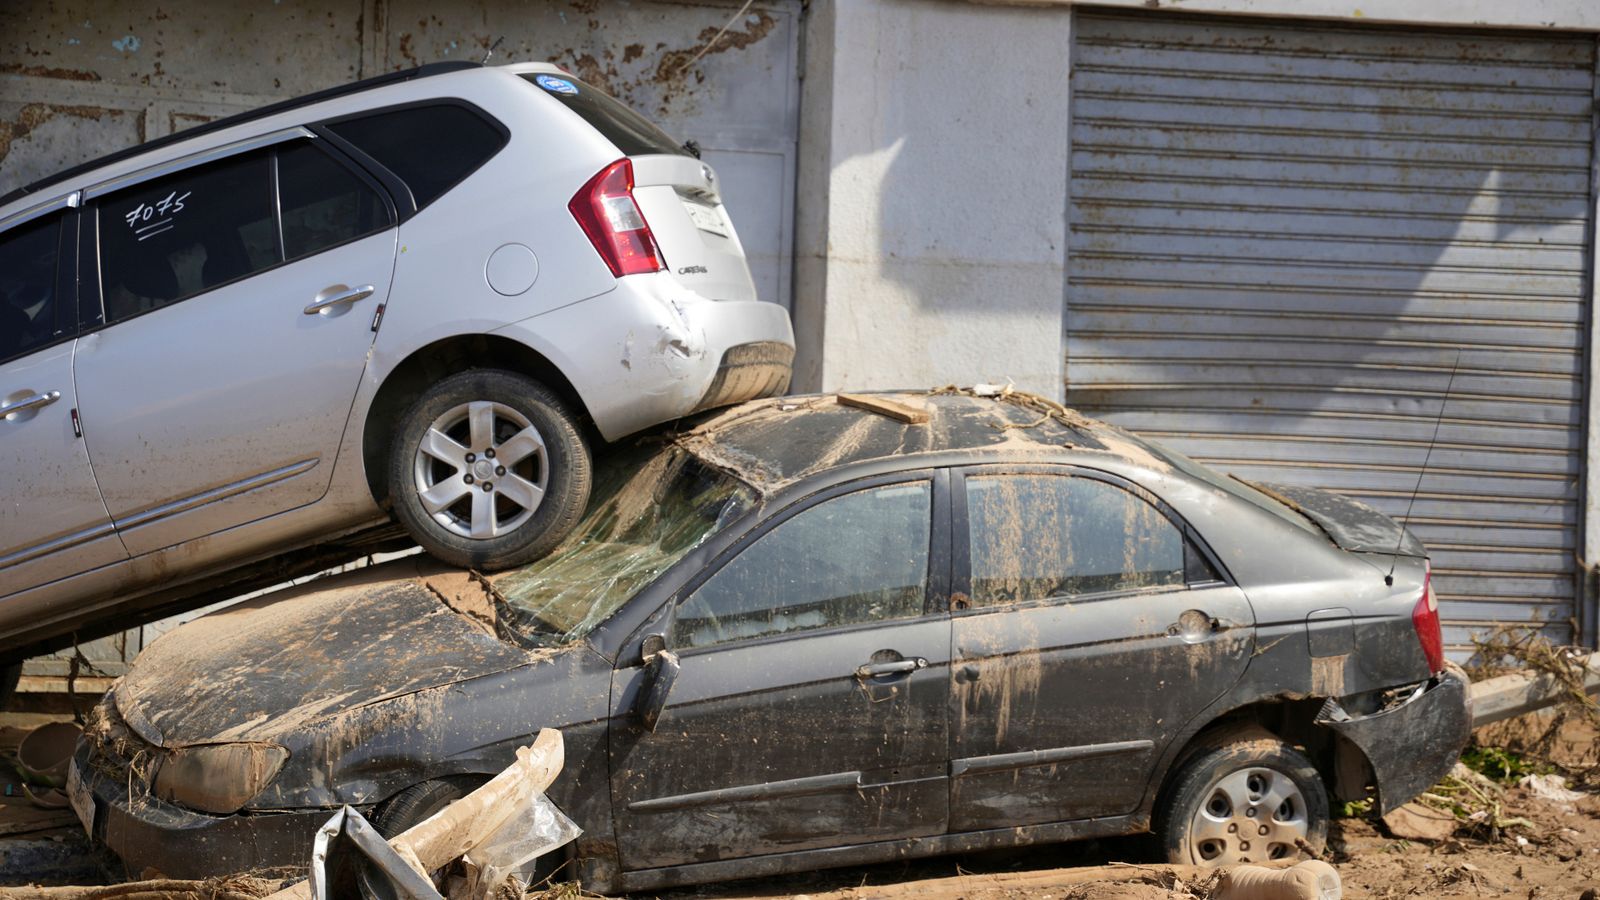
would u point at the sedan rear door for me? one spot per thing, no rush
(1091, 626)
(811, 707)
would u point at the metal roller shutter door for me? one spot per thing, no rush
(1281, 236)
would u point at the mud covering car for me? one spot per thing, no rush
(802, 633)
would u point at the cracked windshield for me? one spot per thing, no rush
(652, 504)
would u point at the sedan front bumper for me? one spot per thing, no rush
(1414, 743)
(147, 833)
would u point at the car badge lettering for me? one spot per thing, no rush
(693, 270)
(556, 85)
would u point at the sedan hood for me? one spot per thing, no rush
(259, 669)
(1352, 525)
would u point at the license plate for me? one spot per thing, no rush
(81, 798)
(707, 218)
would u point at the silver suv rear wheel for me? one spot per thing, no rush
(488, 470)
(481, 469)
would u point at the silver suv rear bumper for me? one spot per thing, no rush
(649, 351)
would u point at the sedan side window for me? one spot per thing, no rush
(857, 558)
(174, 237)
(28, 286)
(1034, 537)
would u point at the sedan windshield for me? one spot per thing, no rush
(650, 506)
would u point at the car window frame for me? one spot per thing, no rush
(406, 202)
(65, 300)
(91, 314)
(961, 538)
(349, 165)
(935, 601)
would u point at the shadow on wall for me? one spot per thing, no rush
(945, 197)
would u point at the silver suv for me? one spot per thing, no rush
(228, 354)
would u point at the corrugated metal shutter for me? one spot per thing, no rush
(1283, 233)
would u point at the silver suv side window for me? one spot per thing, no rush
(861, 557)
(1037, 537)
(174, 237)
(28, 255)
(429, 147)
(323, 203)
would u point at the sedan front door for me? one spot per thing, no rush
(1094, 628)
(811, 706)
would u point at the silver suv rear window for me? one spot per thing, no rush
(633, 134)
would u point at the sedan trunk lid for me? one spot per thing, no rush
(1351, 524)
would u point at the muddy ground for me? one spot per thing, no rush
(1552, 853)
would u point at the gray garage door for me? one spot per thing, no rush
(1284, 235)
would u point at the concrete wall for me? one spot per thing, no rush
(934, 157)
(932, 182)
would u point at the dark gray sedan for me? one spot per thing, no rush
(804, 633)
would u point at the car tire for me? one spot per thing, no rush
(1216, 810)
(420, 801)
(402, 811)
(488, 470)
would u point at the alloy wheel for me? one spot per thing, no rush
(481, 469)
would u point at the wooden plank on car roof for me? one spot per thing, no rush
(900, 412)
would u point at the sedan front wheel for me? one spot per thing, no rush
(488, 470)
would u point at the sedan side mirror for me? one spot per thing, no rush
(660, 671)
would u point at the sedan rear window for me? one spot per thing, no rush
(633, 134)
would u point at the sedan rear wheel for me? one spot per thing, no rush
(1247, 801)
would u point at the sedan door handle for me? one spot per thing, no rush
(898, 667)
(26, 403)
(338, 295)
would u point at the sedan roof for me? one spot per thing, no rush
(774, 443)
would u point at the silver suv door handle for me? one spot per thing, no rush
(338, 295)
(27, 403)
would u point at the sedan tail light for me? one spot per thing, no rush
(1425, 619)
(609, 216)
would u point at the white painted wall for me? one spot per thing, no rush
(932, 193)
